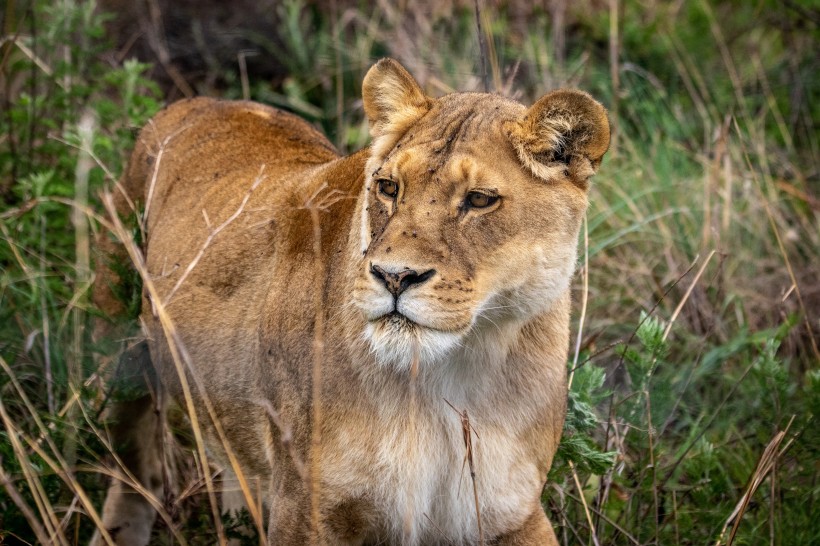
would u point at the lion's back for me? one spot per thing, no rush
(201, 145)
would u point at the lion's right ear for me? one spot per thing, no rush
(392, 99)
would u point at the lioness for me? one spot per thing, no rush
(356, 323)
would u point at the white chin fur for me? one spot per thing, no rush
(394, 344)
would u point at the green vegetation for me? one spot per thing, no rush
(698, 293)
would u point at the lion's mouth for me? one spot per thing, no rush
(396, 319)
(397, 340)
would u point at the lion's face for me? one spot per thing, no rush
(458, 232)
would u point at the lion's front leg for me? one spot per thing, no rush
(536, 531)
(289, 511)
(342, 522)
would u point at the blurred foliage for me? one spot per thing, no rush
(56, 70)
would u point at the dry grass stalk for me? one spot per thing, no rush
(53, 529)
(593, 535)
(687, 294)
(60, 467)
(492, 56)
(65, 471)
(318, 353)
(482, 46)
(650, 371)
(178, 351)
(316, 204)
(584, 299)
(650, 435)
(340, 90)
(768, 459)
(182, 357)
(466, 431)
(614, 71)
(25, 509)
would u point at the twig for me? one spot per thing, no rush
(40, 63)
(149, 198)
(156, 40)
(603, 490)
(437, 528)
(650, 371)
(212, 235)
(243, 72)
(703, 430)
(652, 311)
(86, 148)
(686, 295)
(286, 438)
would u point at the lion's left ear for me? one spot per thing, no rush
(564, 131)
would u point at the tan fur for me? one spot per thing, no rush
(488, 320)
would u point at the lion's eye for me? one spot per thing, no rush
(389, 188)
(481, 200)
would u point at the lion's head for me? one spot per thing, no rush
(472, 207)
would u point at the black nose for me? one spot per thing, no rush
(397, 283)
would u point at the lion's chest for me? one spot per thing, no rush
(416, 482)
